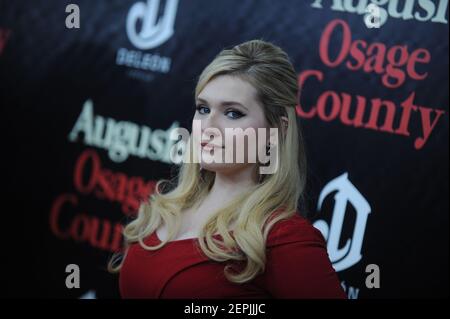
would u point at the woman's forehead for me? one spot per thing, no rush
(228, 88)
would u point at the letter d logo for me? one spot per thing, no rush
(151, 34)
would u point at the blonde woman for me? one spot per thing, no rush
(224, 229)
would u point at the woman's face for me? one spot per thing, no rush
(228, 102)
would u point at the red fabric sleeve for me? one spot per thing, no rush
(297, 264)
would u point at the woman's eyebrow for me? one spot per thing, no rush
(223, 103)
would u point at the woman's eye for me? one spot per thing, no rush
(202, 109)
(235, 114)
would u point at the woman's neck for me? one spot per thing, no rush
(228, 185)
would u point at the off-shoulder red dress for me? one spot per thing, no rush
(297, 266)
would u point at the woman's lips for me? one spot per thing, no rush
(206, 145)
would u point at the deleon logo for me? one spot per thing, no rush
(151, 33)
(348, 255)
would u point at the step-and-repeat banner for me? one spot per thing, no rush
(90, 90)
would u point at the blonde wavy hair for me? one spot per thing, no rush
(268, 68)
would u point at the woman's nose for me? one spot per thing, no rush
(211, 125)
(211, 133)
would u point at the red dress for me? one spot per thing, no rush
(297, 266)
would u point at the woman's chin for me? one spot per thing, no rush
(222, 167)
(216, 167)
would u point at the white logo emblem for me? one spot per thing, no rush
(151, 34)
(350, 254)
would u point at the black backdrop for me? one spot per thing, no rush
(73, 99)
